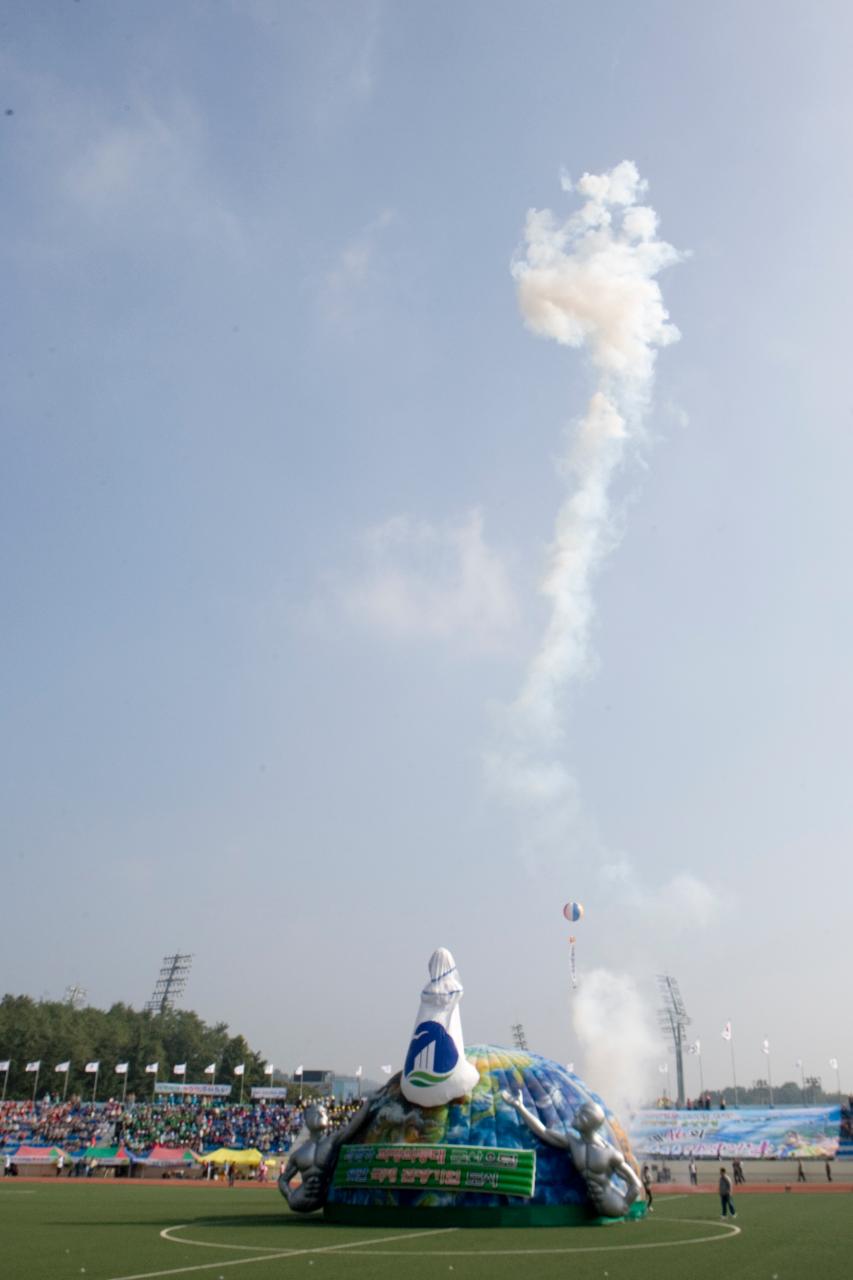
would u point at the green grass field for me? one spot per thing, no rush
(115, 1231)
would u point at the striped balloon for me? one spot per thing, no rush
(573, 911)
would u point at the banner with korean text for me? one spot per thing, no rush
(170, 1088)
(412, 1167)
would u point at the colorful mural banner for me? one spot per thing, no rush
(751, 1133)
(412, 1167)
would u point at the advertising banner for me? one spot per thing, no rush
(167, 1087)
(751, 1133)
(411, 1167)
(267, 1093)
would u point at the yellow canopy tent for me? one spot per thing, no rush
(227, 1155)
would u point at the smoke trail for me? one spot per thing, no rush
(590, 283)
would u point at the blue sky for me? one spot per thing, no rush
(278, 486)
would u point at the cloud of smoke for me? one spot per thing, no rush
(615, 1031)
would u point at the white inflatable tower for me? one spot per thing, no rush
(436, 1070)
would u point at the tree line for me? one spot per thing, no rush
(808, 1093)
(53, 1032)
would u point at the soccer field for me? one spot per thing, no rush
(122, 1231)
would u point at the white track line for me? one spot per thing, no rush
(268, 1257)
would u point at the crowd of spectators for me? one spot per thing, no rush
(198, 1124)
(72, 1123)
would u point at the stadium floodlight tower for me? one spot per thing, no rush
(672, 1020)
(174, 972)
(519, 1039)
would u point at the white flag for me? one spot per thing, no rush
(152, 1068)
(241, 1070)
(92, 1067)
(833, 1062)
(4, 1066)
(121, 1068)
(726, 1032)
(210, 1070)
(765, 1046)
(269, 1069)
(33, 1066)
(63, 1066)
(798, 1064)
(664, 1068)
(387, 1069)
(358, 1073)
(570, 1066)
(695, 1047)
(298, 1071)
(180, 1069)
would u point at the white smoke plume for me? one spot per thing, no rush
(615, 1031)
(590, 283)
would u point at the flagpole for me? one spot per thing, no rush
(701, 1076)
(124, 1090)
(154, 1088)
(65, 1084)
(734, 1075)
(36, 1083)
(242, 1077)
(5, 1083)
(838, 1079)
(95, 1084)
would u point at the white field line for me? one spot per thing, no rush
(729, 1231)
(166, 1234)
(586, 1248)
(267, 1257)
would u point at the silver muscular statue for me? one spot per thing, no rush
(593, 1157)
(314, 1159)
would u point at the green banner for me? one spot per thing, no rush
(406, 1166)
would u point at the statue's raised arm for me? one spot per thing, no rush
(553, 1137)
(595, 1159)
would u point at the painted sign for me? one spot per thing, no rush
(773, 1133)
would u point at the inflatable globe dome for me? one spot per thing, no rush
(483, 1119)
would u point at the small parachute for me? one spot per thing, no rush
(573, 911)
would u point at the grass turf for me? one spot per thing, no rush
(111, 1231)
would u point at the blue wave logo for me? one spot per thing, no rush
(432, 1055)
